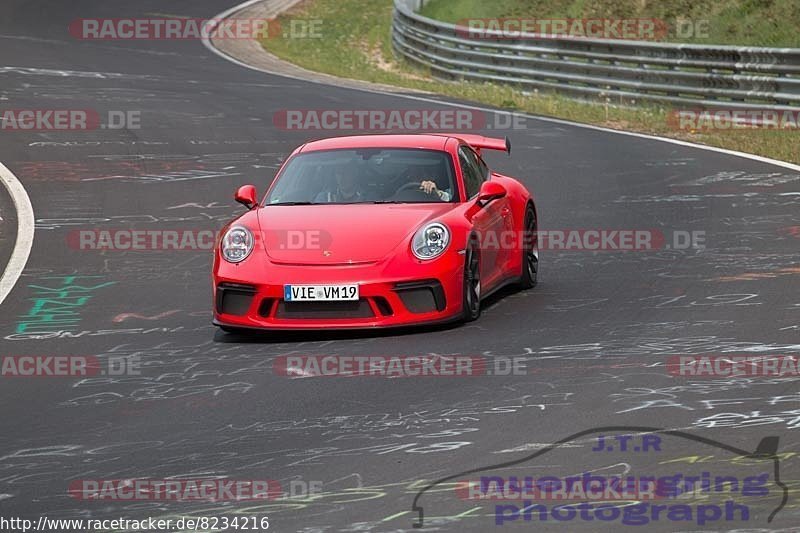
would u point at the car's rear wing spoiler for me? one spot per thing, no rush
(480, 142)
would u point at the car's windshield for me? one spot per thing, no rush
(369, 175)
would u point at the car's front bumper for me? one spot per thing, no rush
(390, 295)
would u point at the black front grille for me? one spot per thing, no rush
(383, 306)
(266, 307)
(234, 299)
(322, 310)
(421, 296)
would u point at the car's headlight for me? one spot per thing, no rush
(430, 241)
(237, 243)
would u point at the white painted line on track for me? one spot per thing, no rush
(25, 224)
(228, 12)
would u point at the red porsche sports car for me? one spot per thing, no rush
(375, 231)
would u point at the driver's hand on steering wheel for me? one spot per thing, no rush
(429, 187)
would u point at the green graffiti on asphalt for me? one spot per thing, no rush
(57, 307)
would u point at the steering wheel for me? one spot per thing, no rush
(408, 186)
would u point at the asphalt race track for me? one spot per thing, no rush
(595, 335)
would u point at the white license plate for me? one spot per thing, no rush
(320, 293)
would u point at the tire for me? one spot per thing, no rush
(471, 291)
(530, 252)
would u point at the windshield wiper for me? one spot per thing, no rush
(294, 203)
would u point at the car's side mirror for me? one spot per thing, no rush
(490, 190)
(246, 195)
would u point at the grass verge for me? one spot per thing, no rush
(355, 42)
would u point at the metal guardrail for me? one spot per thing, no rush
(688, 75)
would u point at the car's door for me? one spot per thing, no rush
(507, 242)
(488, 222)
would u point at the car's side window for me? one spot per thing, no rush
(483, 168)
(475, 172)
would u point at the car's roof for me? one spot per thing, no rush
(424, 141)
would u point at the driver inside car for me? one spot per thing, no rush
(430, 187)
(346, 189)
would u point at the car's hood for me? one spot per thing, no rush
(340, 234)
